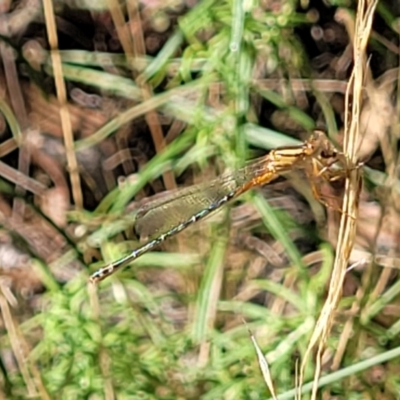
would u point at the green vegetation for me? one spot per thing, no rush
(178, 323)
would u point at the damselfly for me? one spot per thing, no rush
(163, 218)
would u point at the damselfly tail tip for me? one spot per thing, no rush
(98, 276)
(105, 272)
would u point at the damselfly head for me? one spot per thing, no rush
(326, 150)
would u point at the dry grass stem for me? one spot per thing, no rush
(347, 229)
(73, 167)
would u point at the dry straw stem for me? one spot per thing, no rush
(62, 98)
(29, 372)
(264, 367)
(104, 356)
(131, 37)
(347, 229)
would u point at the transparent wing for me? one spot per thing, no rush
(159, 216)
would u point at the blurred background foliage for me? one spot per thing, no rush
(163, 94)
